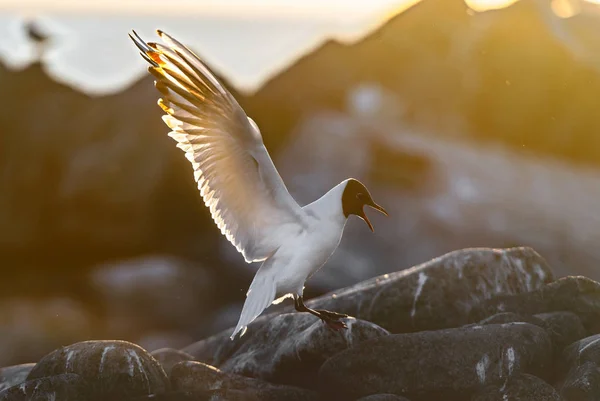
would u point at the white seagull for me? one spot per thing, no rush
(241, 186)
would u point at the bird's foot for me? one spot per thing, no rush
(335, 324)
(331, 315)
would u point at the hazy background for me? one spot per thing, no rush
(474, 124)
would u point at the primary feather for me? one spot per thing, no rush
(236, 177)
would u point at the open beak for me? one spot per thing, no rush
(376, 207)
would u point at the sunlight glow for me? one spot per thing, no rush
(485, 5)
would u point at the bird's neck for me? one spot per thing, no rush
(329, 206)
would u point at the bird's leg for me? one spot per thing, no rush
(330, 318)
(331, 315)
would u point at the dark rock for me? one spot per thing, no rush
(13, 375)
(509, 317)
(584, 350)
(445, 364)
(521, 387)
(174, 396)
(578, 295)
(582, 383)
(438, 294)
(169, 357)
(290, 348)
(579, 370)
(64, 387)
(383, 397)
(113, 369)
(197, 377)
(564, 328)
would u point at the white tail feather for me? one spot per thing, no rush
(260, 295)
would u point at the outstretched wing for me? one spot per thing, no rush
(236, 177)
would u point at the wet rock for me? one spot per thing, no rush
(113, 369)
(510, 317)
(64, 387)
(197, 377)
(13, 375)
(582, 383)
(564, 328)
(425, 365)
(579, 370)
(584, 350)
(438, 294)
(575, 294)
(383, 397)
(169, 357)
(290, 348)
(521, 387)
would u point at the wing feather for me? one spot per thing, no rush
(236, 177)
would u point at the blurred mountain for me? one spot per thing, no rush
(504, 76)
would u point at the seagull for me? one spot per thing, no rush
(243, 190)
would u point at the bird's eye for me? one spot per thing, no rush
(359, 196)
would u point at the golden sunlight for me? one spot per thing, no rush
(484, 5)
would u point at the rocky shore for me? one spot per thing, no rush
(471, 325)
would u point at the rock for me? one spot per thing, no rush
(578, 295)
(290, 348)
(107, 169)
(169, 357)
(584, 350)
(112, 369)
(197, 377)
(579, 370)
(564, 328)
(582, 383)
(13, 375)
(438, 294)
(425, 365)
(63, 387)
(152, 292)
(509, 317)
(177, 396)
(154, 340)
(382, 397)
(521, 387)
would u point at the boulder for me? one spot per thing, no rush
(576, 294)
(112, 369)
(564, 328)
(13, 375)
(521, 387)
(290, 348)
(582, 351)
(438, 294)
(582, 383)
(64, 387)
(169, 357)
(510, 317)
(383, 397)
(199, 378)
(445, 364)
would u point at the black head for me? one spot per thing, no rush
(355, 197)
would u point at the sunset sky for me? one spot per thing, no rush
(247, 41)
